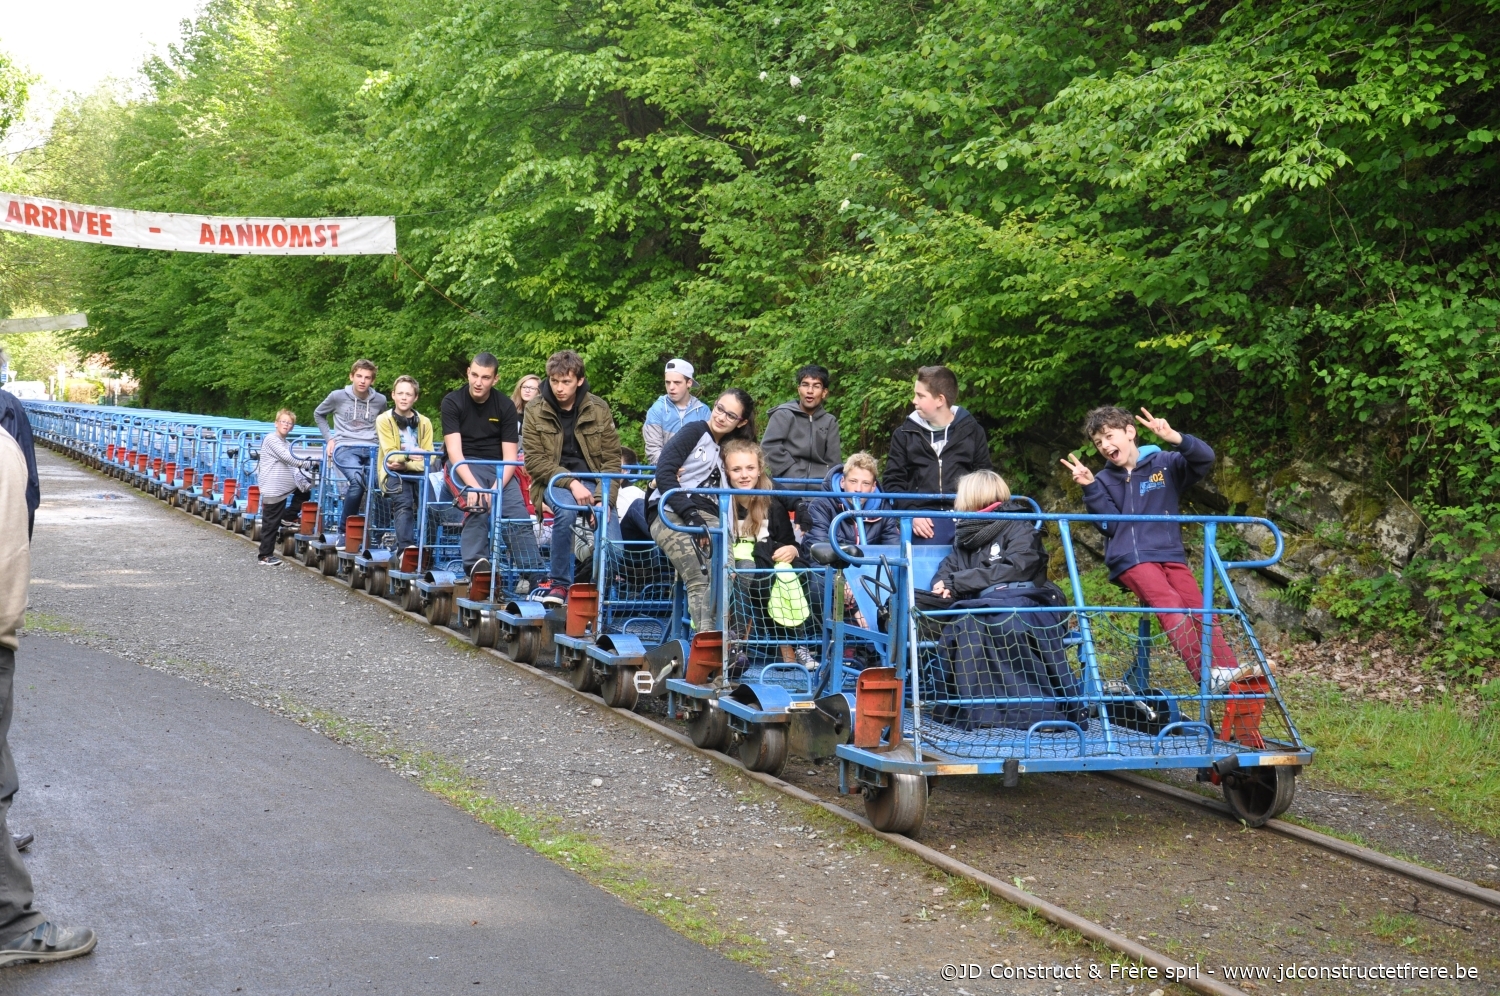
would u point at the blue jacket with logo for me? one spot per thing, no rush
(1152, 488)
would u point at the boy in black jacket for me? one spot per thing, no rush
(934, 447)
(1147, 557)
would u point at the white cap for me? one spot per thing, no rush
(681, 367)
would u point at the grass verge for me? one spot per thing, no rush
(1431, 754)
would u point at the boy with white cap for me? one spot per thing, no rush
(672, 410)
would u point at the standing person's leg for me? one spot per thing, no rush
(474, 541)
(682, 550)
(270, 525)
(17, 914)
(560, 570)
(517, 532)
(404, 502)
(353, 461)
(1152, 585)
(1190, 593)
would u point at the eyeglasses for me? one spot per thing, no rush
(727, 414)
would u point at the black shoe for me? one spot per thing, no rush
(23, 840)
(48, 942)
(271, 561)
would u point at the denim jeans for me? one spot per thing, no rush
(353, 461)
(561, 567)
(405, 495)
(475, 540)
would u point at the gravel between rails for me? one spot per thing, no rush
(119, 571)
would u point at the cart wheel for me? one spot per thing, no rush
(582, 674)
(1260, 794)
(411, 598)
(618, 688)
(522, 644)
(440, 608)
(764, 749)
(484, 630)
(289, 547)
(709, 728)
(255, 531)
(379, 582)
(357, 577)
(310, 556)
(329, 564)
(901, 806)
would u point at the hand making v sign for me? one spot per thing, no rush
(1159, 426)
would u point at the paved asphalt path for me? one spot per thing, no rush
(217, 848)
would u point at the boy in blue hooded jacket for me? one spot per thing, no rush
(1148, 557)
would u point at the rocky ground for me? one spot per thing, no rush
(818, 906)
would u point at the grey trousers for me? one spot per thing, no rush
(17, 915)
(682, 550)
(474, 541)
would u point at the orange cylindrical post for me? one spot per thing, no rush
(705, 656)
(583, 608)
(309, 522)
(169, 473)
(354, 533)
(208, 485)
(877, 705)
(252, 500)
(187, 477)
(230, 486)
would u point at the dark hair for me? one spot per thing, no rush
(565, 361)
(363, 365)
(939, 380)
(486, 360)
(629, 456)
(746, 428)
(813, 370)
(1108, 417)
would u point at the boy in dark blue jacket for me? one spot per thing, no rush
(1147, 557)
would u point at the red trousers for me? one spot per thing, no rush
(1173, 586)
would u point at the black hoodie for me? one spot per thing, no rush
(924, 460)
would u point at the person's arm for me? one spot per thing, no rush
(775, 442)
(655, 437)
(820, 513)
(896, 469)
(942, 578)
(328, 406)
(671, 461)
(982, 459)
(1196, 463)
(453, 449)
(779, 531)
(15, 549)
(540, 462)
(833, 454)
(416, 465)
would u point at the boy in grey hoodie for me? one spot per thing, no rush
(802, 437)
(351, 440)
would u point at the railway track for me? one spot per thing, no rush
(1011, 892)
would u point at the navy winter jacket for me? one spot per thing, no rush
(1152, 488)
(821, 512)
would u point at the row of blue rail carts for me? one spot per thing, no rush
(842, 659)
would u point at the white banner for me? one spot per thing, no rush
(364, 236)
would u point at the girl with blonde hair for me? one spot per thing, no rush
(990, 554)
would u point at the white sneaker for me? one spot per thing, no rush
(1220, 677)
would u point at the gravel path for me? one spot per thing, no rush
(818, 907)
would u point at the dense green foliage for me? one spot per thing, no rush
(1275, 222)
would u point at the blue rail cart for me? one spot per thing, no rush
(514, 566)
(624, 626)
(1013, 685)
